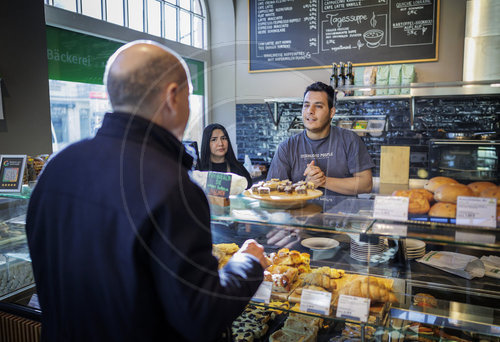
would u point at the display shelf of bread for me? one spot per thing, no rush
(438, 197)
(290, 273)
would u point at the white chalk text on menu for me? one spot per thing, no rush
(313, 33)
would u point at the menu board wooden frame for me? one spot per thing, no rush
(311, 34)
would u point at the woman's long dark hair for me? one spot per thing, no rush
(205, 162)
(205, 147)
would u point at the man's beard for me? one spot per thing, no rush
(320, 129)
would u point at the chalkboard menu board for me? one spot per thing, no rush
(303, 34)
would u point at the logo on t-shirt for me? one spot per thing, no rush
(325, 155)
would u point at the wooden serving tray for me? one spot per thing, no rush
(280, 200)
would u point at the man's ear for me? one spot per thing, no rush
(332, 112)
(171, 95)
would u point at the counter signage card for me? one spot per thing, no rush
(353, 308)
(315, 301)
(477, 211)
(393, 208)
(11, 172)
(218, 184)
(390, 229)
(307, 33)
(263, 294)
(477, 238)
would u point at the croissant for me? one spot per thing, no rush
(319, 279)
(369, 287)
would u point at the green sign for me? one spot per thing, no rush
(196, 69)
(218, 184)
(78, 57)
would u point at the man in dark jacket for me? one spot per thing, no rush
(118, 234)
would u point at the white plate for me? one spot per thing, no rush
(319, 243)
(414, 244)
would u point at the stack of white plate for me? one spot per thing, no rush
(363, 251)
(414, 248)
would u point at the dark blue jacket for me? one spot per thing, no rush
(120, 242)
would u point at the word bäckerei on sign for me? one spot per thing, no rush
(306, 34)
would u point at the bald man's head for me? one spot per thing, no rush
(137, 74)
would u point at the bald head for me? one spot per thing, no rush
(137, 74)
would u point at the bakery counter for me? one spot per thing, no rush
(351, 215)
(391, 263)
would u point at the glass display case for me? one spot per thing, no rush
(339, 232)
(467, 309)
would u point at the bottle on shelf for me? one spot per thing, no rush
(349, 78)
(334, 76)
(341, 76)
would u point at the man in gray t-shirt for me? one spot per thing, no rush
(330, 157)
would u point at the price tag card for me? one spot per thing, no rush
(393, 208)
(477, 211)
(478, 238)
(263, 294)
(390, 229)
(218, 184)
(315, 301)
(353, 308)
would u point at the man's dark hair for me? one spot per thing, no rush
(320, 86)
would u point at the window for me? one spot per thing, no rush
(76, 111)
(78, 98)
(183, 21)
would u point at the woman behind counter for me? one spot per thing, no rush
(217, 153)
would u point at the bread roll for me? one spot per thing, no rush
(450, 192)
(492, 192)
(426, 193)
(418, 202)
(478, 187)
(436, 182)
(443, 209)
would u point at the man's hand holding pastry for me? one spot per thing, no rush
(315, 175)
(252, 247)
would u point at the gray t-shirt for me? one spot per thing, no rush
(339, 155)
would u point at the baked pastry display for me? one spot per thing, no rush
(418, 204)
(369, 287)
(281, 276)
(491, 192)
(291, 258)
(298, 327)
(251, 324)
(436, 182)
(425, 300)
(296, 295)
(223, 252)
(478, 187)
(282, 187)
(332, 273)
(443, 209)
(426, 193)
(450, 192)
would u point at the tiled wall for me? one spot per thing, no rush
(258, 137)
